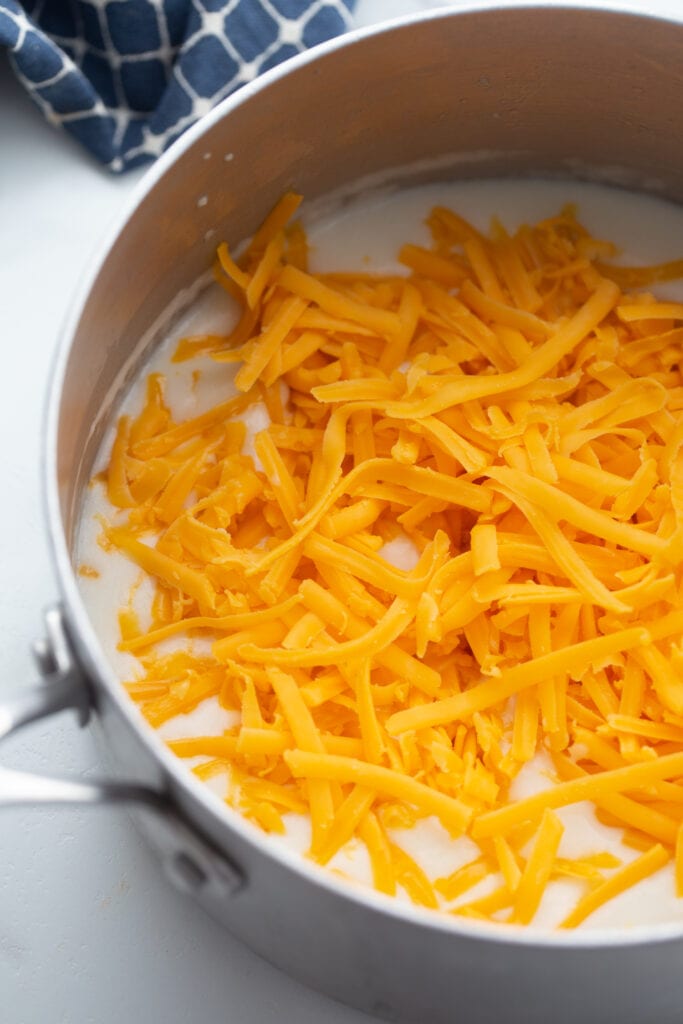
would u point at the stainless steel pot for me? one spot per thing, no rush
(593, 93)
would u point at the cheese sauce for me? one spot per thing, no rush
(366, 234)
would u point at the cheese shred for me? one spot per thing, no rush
(510, 421)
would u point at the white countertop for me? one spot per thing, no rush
(90, 932)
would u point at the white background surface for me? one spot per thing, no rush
(90, 933)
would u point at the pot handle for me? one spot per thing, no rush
(191, 862)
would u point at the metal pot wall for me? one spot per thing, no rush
(539, 89)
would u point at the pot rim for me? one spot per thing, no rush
(100, 672)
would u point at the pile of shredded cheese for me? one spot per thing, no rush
(507, 410)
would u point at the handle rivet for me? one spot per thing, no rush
(185, 873)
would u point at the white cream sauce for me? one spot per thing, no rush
(366, 234)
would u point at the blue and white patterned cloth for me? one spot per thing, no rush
(127, 77)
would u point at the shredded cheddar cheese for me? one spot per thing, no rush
(516, 419)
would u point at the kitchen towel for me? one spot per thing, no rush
(127, 77)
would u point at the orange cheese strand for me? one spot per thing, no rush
(509, 421)
(616, 781)
(172, 572)
(623, 879)
(538, 869)
(454, 814)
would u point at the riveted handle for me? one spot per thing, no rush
(190, 861)
(62, 687)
